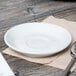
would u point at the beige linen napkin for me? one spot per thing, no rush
(60, 60)
(45, 60)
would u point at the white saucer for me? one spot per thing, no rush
(37, 39)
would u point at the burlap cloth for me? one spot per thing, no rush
(59, 60)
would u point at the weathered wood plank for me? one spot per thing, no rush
(40, 8)
(69, 14)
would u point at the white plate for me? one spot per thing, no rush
(37, 39)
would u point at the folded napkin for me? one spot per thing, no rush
(59, 60)
(5, 70)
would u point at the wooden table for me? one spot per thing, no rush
(14, 12)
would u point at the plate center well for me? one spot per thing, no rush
(39, 41)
